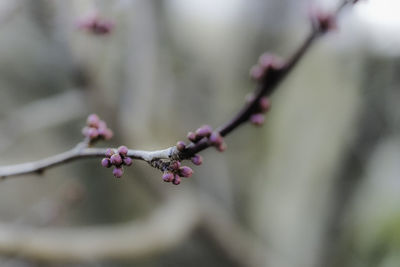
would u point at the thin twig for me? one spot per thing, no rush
(264, 88)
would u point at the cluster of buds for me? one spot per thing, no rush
(117, 159)
(96, 129)
(263, 106)
(267, 64)
(205, 131)
(175, 171)
(95, 25)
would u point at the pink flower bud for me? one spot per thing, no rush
(106, 162)
(257, 119)
(168, 177)
(221, 147)
(118, 171)
(108, 134)
(203, 131)
(93, 133)
(264, 104)
(93, 120)
(185, 171)
(216, 139)
(268, 61)
(197, 159)
(257, 73)
(180, 145)
(116, 159)
(192, 137)
(102, 125)
(175, 165)
(123, 150)
(109, 152)
(127, 161)
(177, 180)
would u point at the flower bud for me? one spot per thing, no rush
(108, 134)
(93, 120)
(168, 177)
(264, 104)
(177, 180)
(109, 152)
(257, 119)
(180, 146)
(116, 159)
(174, 166)
(257, 73)
(222, 147)
(118, 171)
(197, 159)
(123, 150)
(192, 137)
(215, 139)
(106, 162)
(185, 171)
(92, 133)
(203, 131)
(127, 161)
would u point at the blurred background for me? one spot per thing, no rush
(318, 185)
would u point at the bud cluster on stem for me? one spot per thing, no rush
(117, 159)
(96, 129)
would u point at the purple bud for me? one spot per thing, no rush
(109, 152)
(106, 162)
(203, 131)
(102, 125)
(192, 137)
(168, 177)
(197, 159)
(175, 165)
(257, 73)
(264, 104)
(221, 147)
(127, 161)
(257, 119)
(116, 159)
(123, 150)
(177, 180)
(93, 120)
(92, 133)
(118, 171)
(269, 61)
(185, 171)
(180, 145)
(108, 134)
(216, 139)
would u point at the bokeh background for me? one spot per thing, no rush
(318, 185)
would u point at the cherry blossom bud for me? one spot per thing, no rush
(123, 150)
(118, 171)
(185, 171)
(197, 159)
(109, 152)
(257, 119)
(180, 145)
(127, 161)
(106, 162)
(93, 120)
(116, 159)
(177, 180)
(168, 177)
(203, 131)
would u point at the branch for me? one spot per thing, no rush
(269, 73)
